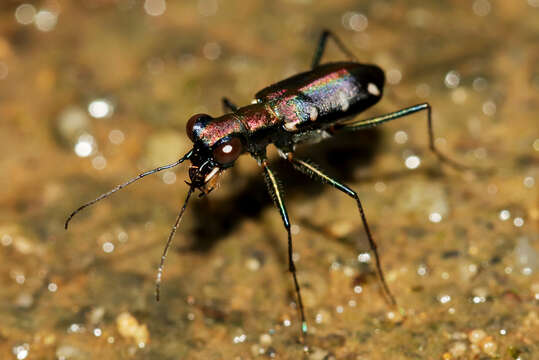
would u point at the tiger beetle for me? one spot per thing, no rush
(305, 108)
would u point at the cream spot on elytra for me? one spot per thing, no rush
(373, 89)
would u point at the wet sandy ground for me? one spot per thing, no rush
(93, 92)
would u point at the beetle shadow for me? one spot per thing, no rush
(339, 157)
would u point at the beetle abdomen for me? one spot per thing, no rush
(325, 94)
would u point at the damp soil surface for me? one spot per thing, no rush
(94, 92)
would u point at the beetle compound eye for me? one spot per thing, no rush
(190, 128)
(228, 151)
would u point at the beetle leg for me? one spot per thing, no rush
(228, 106)
(377, 120)
(321, 47)
(313, 171)
(276, 194)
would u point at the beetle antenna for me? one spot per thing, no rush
(159, 276)
(121, 186)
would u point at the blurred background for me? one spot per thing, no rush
(93, 92)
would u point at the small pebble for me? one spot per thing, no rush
(318, 354)
(488, 346)
(129, 327)
(24, 300)
(96, 315)
(394, 316)
(475, 336)
(458, 349)
(341, 228)
(252, 264)
(71, 352)
(265, 339)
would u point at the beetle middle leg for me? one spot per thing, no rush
(313, 171)
(228, 106)
(276, 194)
(321, 47)
(377, 120)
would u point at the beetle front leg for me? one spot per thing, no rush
(276, 194)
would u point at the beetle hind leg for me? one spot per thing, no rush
(377, 120)
(321, 47)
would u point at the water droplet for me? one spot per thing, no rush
(478, 299)
(518, 221)
(211, 51)
(479, 84)
(435, 217)
(169, 177)
(20, 278)
(358, 22)
(99, 162)
(25, 13)
(52, 287)
(489, 108)
(116, 136)
(529, 182)
(422, 270)
(75, 328)
(85, 145)
(364, 258)
(444, 299)
(459, 95)
(422, 90)
(6, 240)
(452, 79)
(401, 137)
(379, 186)
(412, 162)
(100, 108)
(155, 7)
(21, 351)
(394, 76)
(505, 215)
(108, 247)
(252, 264)
(45, 20)
(481, 7)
